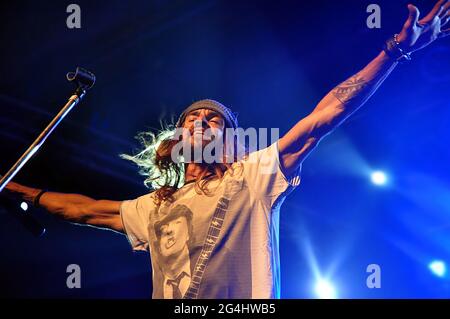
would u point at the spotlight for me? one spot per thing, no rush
(378, 178)
(325, 290)
(438, 268)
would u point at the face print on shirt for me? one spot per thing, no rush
(174, 232)
(174, 235)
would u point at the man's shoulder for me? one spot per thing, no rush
(145, 199)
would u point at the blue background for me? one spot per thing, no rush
(270, 61)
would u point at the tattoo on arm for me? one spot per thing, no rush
(350, 89)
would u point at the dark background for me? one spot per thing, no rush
(271, 61)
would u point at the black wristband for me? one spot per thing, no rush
(38, 197)
(392, 49)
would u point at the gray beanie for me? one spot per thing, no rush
(228, 114)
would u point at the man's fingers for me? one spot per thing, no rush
(444, 33)
(445, 14)
(436, 11)
(445, 19)
(445, 9)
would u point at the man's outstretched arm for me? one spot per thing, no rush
(74, 208)
(351, 94)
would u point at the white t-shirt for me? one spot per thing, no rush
(229, 238)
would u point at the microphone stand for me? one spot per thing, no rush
(84, 80)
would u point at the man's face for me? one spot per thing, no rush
(203, 126)
(174, 235)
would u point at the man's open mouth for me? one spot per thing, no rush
(202, 132)
(170, 242)
(205, 136)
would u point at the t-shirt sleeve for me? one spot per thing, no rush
(135, 216)
(263, 174)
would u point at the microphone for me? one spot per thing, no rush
(82, 78)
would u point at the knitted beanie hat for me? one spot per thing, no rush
(229, 116)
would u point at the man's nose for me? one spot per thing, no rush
(201, 122)
(169, 230)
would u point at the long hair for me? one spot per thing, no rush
(165, 176)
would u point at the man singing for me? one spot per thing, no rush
(221, 217)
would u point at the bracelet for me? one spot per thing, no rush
(38, 197)
(392, 49)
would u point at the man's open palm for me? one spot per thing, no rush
(417, 34)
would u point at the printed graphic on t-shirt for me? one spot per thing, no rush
(174, 236)
(183, 244)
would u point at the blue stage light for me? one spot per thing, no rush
(378, 178)
(438, 268)
(325, 290)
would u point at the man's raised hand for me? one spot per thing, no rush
(417, 34)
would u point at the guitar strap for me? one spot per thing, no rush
(210, 242)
